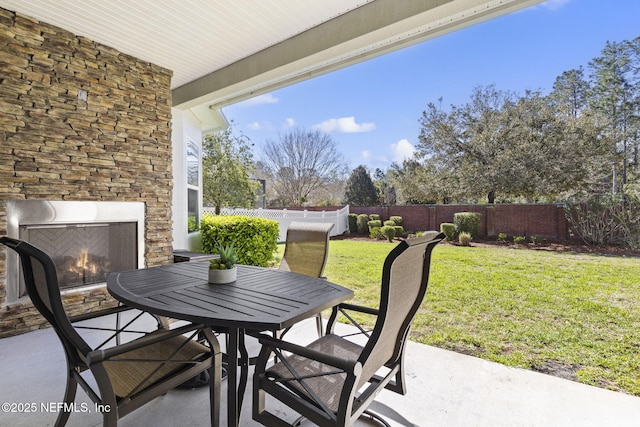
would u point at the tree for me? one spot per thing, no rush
(570, 91)
(300, 162)
(386, 192)
(359, 190)
(227, 167)
(419, 183)
(616, 97)
(500, 144)
(550, 155)
(469, 140)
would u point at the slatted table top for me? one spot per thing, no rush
(260, 299)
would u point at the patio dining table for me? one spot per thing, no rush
(261, 299)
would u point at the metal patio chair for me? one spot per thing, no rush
(305, 252)
(333, 380)
(129, 374)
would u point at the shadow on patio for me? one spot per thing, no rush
(444, 389)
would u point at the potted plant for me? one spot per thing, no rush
(223, 269)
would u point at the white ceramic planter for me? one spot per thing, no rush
(220, 277)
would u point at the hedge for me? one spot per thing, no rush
(467, 222)
(363, 223)
(449, 230)
(353, 223)
(374, 223)
(255, 239)
(389, 232)
(396, 219)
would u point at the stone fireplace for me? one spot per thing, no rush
(87, 240)
(80, 122)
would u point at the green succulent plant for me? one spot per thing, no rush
(227, 260)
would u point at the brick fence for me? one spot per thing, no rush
(545, 220)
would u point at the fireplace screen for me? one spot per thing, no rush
(86, 253)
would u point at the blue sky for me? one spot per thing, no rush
(372, 109)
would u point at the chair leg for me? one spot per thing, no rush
(215, 376)
(69, 398)
(319, 325)
(214, 389)
(401, 386)
(110, 418)
(398, 384)
(376, 417)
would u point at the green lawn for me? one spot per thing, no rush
(567, 314)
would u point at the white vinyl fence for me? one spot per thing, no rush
(339, 218)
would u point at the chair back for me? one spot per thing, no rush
(405, 276)
(306, 248)
(41, 281)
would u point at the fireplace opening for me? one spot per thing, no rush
(86, 239)
(85, 253)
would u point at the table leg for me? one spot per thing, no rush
(236, 385)
(244, 370)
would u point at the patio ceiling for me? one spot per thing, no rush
(224, 51)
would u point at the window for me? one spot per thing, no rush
(193, 186)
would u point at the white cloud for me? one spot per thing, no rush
(289, 123)
(344, 125)
(264, 125)
(554, 4)
(267, 98)
(366, 155)
(402, 150)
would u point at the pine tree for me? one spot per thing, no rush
(360, 190)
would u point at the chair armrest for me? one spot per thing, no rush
(343, 308)
(352, 367)
(100, 313)
(98, 356)
(359, 308)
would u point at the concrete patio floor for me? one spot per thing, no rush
(444, 389)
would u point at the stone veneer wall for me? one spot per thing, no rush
(55, 145)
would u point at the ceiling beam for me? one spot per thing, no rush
(375, 28)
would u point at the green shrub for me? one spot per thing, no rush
(502, 237)
(353, 223)
(464, 238)
(376, 233)
(396, 219)
(399, 230)
(536, 240)
(389, 232)
(609, 220)
(518, 239)
(374, 217)
(467, 222)
(390, 223)
(374, 223)
(449, 230)
(192, 224)
(362, 223)
(255, 239)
